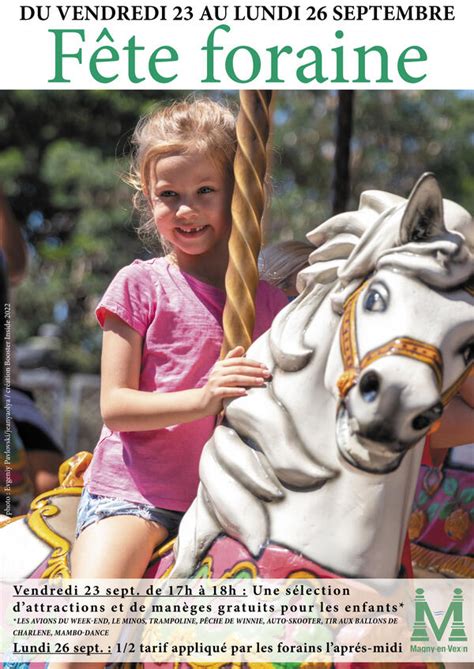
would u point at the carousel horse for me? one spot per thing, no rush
(315, 472)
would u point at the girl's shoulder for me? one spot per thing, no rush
(135, 293)
(157, 277)
(151, 271)
(140, 280)
(150, 266)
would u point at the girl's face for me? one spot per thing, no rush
(190, 199)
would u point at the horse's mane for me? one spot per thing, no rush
(352, 245)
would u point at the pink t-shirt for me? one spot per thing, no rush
(180, 320)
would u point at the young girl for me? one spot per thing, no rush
(161, 385)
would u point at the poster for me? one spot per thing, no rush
(81, 66)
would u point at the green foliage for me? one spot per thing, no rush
(62, 155)
(396, 137)
(399, 135)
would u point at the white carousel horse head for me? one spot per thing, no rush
(322, 460)
(407, 251)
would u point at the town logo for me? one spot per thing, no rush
(424, 617)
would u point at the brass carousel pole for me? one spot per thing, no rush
(248, 203)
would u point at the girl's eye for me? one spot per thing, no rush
(206, 189)
(167, 193)
(468, 353)
(376, 298)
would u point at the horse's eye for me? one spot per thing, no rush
(468, 353)
(376, 298)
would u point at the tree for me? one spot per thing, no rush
(396, 136)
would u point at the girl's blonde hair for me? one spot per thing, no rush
(182, 127)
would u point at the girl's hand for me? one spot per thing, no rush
(230, 378)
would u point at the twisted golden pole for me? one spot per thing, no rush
(248, 203)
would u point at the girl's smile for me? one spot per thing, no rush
(191, 231)
(191, 208)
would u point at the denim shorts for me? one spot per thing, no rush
(93, 508)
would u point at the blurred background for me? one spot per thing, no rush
(62, 155)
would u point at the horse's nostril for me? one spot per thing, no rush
(424, 420)
(369, 386)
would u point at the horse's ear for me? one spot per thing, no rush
(423, 215)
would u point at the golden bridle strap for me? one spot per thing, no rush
(450, 392)
(348, 344)
(404, 346)
(410, 348)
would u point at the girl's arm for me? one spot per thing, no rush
(125, 408)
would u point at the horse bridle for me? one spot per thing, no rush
(404, 346)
